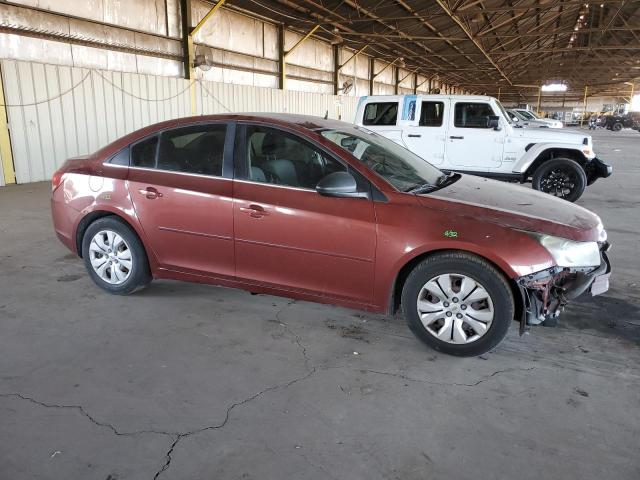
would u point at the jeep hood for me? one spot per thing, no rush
(540, 135)
(515, 206)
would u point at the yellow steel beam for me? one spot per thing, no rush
(192, 50)
(301, 41)
(284, 54)
(352, 57)
(539, 99)
(5, 141)
(209, 14)
(386, 66)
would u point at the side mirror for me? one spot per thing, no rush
(339, 184)
(515, 119)
(493, 121)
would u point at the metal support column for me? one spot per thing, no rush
(584, 104)
(5, 139)
(372, 75)
(281, 60)
(336, 69)
(539, 100)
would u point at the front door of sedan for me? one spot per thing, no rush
(181, 189)
(286, 234)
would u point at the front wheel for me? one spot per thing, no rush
(458, 303)
(617, 127)
(561, 177)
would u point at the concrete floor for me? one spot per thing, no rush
(185, 381)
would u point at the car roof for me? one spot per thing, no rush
(298, 122)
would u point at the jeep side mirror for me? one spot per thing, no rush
(493, 121)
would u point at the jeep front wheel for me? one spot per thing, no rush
(561, 177)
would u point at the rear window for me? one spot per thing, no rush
(381, 114)
(431, 114)
(143, 154)
(194, 149)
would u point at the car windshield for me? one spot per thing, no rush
(397, 165)
(528, 115)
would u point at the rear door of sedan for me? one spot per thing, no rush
(180, 182)
(288, 236)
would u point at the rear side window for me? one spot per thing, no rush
(143, 154)
(121, 158)
(194, 149)
(383, 113)
(472, 115)
(431, 114)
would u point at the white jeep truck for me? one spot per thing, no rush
(474, 134)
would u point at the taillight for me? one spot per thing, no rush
(56, 180)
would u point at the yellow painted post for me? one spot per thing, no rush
(192, 76)
(5, 140)
(539, 100)
(284, 54)
(584, 104)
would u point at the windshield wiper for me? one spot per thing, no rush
(422, 188)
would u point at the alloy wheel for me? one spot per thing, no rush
(111, 257)
(455, 308)
(558, 182)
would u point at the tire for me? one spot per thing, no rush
(617, 127)
(129, 267)
(478, 278)
(561, 177)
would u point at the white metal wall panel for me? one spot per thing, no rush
(56, 112)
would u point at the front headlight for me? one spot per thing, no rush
(568, 253)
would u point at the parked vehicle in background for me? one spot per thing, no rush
(527, 118)
(618, 122)
(475, 134)
(325, 211)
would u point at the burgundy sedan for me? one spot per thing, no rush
(325, 211)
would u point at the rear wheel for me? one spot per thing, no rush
(458, 303)
(617, 127)
(114, 256)
(561, 177)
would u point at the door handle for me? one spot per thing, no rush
(414, 135)
(456, 138)
(150, 192)
(254, 211)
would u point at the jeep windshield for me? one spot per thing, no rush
(403, 169)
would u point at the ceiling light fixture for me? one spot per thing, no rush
(554, 87)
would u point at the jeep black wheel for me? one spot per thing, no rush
(561, 177)
(617, 127)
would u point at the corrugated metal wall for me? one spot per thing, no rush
(56, 112)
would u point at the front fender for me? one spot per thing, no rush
(530, 156)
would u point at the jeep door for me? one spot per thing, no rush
(471, 144)
(425, 134)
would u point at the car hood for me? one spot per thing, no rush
(515, 207)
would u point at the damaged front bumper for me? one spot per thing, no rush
(545, 293)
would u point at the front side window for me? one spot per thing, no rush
(472, 115)
(397, 165)
(194, 149)
(431, 114)
(281, 158)
(380, 114)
